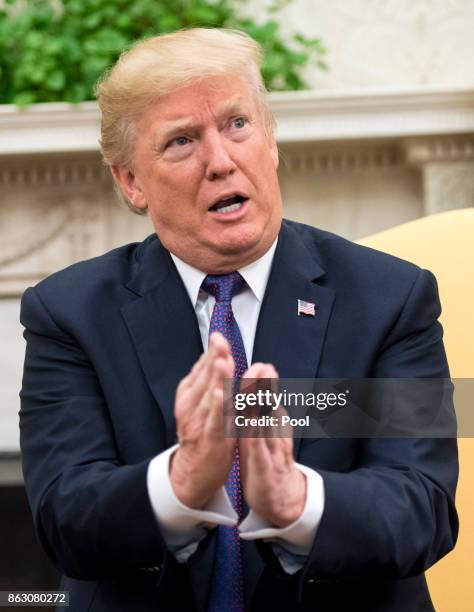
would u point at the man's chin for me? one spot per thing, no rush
(242, 242)
(226, 250)
(236, 252)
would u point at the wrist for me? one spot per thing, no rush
(294, 505)
(183, 483)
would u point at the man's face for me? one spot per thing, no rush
(206, 169)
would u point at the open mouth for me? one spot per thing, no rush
(228, 205)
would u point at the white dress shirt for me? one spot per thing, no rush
(183, 527)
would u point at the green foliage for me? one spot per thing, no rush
(53, 50)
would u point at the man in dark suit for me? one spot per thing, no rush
(136, 493)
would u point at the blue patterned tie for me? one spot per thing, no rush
(227, 593)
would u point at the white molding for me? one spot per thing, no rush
(49, 128)
(420, 151)
(342, 158)
(304, 116)
(318, 116)
(49, 171)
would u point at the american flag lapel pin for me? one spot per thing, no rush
(307, 308)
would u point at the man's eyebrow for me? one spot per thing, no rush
(169, 128)
(229, 107)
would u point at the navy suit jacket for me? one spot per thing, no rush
(109, 339)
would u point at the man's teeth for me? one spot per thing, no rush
(229, 208)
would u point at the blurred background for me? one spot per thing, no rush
(374, 101)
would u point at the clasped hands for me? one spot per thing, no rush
(273, 486)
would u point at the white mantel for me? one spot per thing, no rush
(303, 116)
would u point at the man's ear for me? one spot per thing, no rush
(130, 187)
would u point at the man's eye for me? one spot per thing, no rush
(239, 122)
(180, 141)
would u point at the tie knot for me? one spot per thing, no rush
(223, 286)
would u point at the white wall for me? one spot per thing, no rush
(386, 43)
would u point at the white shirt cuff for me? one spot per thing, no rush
(180, 525)
(298, 537)
(183, 528)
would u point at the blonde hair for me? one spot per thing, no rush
(158, 65)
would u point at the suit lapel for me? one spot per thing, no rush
(163, 327)
(293, 343)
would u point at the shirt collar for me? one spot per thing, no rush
(255, 275)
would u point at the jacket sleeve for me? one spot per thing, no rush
(393, 516)
(92, 514)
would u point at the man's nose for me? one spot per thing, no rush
(218, 161)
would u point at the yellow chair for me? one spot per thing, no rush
(444, 244)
